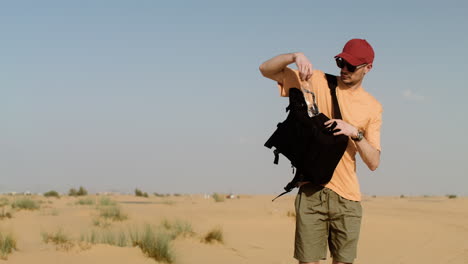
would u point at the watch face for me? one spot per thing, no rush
(360, 136)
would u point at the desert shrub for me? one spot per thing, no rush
(101, 222)
(72, 192)
(139, 193)
(178, 228)
(4, 201)
(5, 215)
(91, 237)
(451, 196)
(156, 245)
(109, 237)
(122, 239)
(81, 192)
(106, 201)
(160, 194)
(113, 213)
(59, 238)
(402, 196)
(85, 201)
(25, 203)
(7, 245)
(52, 193)
(218, 197)
(214, 235)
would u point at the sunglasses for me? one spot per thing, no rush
(341, 63)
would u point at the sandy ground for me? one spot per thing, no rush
(395, 230)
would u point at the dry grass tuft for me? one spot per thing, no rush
(178, 228)
(113, 213)
(3, 203)
(59, 238)
(7, 245)
(215, 235)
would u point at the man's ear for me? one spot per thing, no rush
(368, 67)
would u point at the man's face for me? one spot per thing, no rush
(351, 78)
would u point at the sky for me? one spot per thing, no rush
(166, 96)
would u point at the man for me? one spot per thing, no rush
(331, 214)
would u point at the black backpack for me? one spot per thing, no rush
(303, 138)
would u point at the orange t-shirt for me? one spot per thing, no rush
(357, 107)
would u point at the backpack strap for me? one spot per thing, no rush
(332, 83)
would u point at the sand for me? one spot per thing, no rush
(255, 230)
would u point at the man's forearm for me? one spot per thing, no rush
(276, 64)
(369, 154)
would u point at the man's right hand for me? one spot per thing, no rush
(303, 66)
(273, 68)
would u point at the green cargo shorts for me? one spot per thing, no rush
(325, 218)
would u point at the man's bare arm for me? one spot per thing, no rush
(369, 154)
(274, 67)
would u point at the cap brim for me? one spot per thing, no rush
(350, 59)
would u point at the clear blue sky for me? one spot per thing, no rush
(166, 96)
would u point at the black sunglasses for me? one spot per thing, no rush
(340, 62)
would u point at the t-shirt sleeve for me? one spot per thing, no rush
(372, 133)
(290, 79)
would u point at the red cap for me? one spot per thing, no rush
(357, 52)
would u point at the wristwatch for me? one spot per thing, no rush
(359, 136)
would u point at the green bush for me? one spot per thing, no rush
(451, 196)
(106, 201)
(52, 194)
(92, 237)
(218, 197)
(72, 192)
(113, 213)
(81, 192)
(139, 193)
(156, 245)
(25, 203)
(178, 228)
(85, 201)
(7, 245)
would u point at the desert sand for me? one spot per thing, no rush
(403, 230)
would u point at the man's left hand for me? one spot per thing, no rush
(342, 127)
